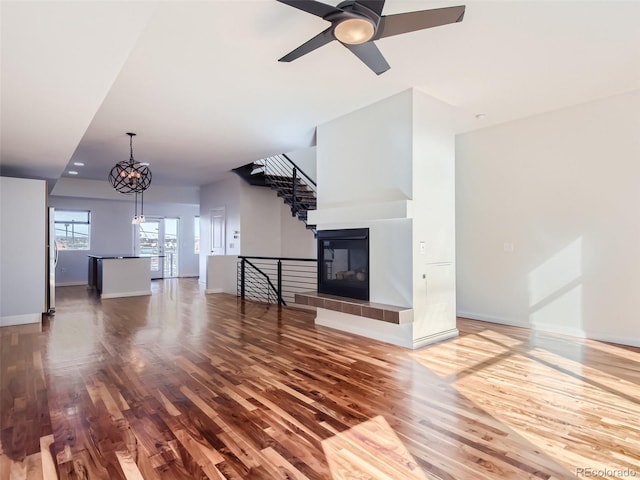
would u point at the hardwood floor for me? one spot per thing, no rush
(186, 385)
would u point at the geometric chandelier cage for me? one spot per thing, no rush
(131, 177)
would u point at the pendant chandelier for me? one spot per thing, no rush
(131, 177)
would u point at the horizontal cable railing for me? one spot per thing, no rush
(255, 284)
(283, 166)
(285, 176)
(276, 279)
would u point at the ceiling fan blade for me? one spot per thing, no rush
(374, 5)
(412, 21)
(311, 6)
(370, 55)
(318, 41)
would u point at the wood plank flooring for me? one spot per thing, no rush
(182, 385)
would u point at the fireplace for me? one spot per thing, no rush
(343, 262)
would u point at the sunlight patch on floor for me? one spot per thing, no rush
(370, 450)
(615, 386)
(612, 349)
(548, 397)
(540, 401)
(463, 354)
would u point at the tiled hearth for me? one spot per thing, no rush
(361, 308)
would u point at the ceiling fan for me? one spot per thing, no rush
(356, 24)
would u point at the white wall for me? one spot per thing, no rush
(84, 188)
(365, 171)
(365, 163)
(260, 220)
(434, 218)
(365, 156)
(23, 221)
(269, 229)
(225, 193)
(306, 160)
(222, 274)
(264, 223)
(390, 167)
(295, 240)
(562, 188)
(112, 233)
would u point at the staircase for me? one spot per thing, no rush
(279, 173)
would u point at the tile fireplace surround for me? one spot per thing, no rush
(360, 308)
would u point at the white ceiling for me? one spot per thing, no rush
(200, 84)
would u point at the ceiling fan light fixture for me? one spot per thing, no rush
(354, 31)
(357, 23)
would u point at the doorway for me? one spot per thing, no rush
(218, 234)
(157, 238)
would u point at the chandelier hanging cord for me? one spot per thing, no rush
(142, 207)
(131, 135)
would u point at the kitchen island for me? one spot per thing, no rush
(120, 275)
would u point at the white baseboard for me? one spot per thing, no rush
(490, 319)
(558, 329)
(126, 294)
(9, 320)
(632, 342)
(213, 290)
(436, 337)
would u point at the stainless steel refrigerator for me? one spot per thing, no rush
(52, 261)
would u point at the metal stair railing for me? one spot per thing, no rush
(255, 284)
(291, 182)
(275, 279)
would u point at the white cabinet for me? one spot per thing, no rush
(124, 277)
(435, 301)
(440, 291)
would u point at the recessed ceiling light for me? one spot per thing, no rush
(78, 164)
(144, 164)
(72, 172)
(481, 116)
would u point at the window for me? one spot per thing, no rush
(73, 229)
(196, 234)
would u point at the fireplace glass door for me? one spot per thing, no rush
(343, 263)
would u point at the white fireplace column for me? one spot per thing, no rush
(389, 167)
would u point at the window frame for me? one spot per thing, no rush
(66, 245)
